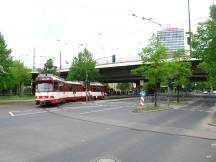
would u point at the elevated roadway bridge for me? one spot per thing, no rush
(115, 71)
(120, 71)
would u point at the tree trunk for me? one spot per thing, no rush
(21, 89)
(178, 94)
(155, 98)
(168, 95)
(18, 90)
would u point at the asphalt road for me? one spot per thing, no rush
(104, 130)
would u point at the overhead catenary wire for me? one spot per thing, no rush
(151, 28)
(84, 6)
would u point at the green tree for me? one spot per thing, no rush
(179, 70)
(20, 75)
(49, 68)
(5, 64)
(124, 86)
(83, 67)
(204, 45)
(153, 68)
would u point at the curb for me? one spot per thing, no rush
(212, 124)
(170, 108)
(153, 110)
(12, 101)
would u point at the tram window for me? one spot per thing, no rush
(55, 86)
(66, 88)
(76, 88)
(61, 86)
(73, 88)
(44, 87)
(70, 87)
(96, 88)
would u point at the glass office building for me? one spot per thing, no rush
(172, 39)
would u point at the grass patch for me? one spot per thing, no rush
(15, 98)
(161, 107)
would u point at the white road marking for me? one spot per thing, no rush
(213, 144)
(79, 107)
(17, 111)
(40, 111)
(209, 111)
(208, 156)
(11, 114)
(95, 111)
(32, 112)
(37, 112)
(194, 110)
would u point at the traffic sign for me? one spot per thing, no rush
(142, 93)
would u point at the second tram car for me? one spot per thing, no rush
(51, 89)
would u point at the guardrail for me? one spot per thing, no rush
(109, 60)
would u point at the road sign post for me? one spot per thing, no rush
(142, 99)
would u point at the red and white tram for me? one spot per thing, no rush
(51, 89)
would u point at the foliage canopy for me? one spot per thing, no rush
(204, 45)
(154, 67)
(5, 64)
(83, 67)
(49, 68)
(124, 86)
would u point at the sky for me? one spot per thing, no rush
(105, 27)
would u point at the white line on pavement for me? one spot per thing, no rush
(209, 111)
(213, 144)
(11, 114)
(32, 112)
(78, 107)
(23, 113)
(208, 156)
(193, 110)
(18, 111)
(95, 111)
(37, 112)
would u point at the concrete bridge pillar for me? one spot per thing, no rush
(139, 85)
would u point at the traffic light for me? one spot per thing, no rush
(113, 59)
(188, 40)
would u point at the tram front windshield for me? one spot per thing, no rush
(44, 87)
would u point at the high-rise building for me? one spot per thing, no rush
(172, 39)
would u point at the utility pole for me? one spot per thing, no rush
(60, 60)
(86, 85)
(189, 23)
(33, 67)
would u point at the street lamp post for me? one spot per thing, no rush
(189, 24)
(60, 55)
(33, 66)
(86, 85)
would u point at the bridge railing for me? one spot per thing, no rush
(109, 60)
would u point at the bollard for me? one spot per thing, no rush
(142, 100)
